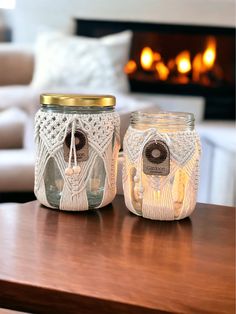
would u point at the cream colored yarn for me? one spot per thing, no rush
(161, 197)
(102, 131)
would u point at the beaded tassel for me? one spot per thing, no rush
(69, 171)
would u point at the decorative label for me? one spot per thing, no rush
(156, 158)
(81, 146)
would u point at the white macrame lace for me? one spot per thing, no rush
(102, 131)
(162, 197)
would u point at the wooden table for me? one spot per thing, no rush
(111, 261)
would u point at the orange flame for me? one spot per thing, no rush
(130, 67)
(209, 54)
(162, 71)
(183, 62)
(146, 58)
(171, 64)
(156, 56)
(197, 67)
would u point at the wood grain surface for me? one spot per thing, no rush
(111, 261)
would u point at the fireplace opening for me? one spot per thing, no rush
(178, 59)
(201, 60)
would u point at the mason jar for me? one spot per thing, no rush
(161, 165)
(77, 145)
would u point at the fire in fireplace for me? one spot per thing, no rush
(191, 60)
(178, 59)
(201, 68)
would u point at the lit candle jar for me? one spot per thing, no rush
(161, 165)
(77, 145)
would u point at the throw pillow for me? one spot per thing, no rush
(74, 61)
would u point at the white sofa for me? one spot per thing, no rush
(19, 101)
(218, 161)
(18, 104)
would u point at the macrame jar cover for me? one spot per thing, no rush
(161, 197)
(102, 131)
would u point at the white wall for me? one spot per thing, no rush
(29, 15)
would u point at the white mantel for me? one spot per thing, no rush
(30, 15)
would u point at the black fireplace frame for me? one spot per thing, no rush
(220, 102)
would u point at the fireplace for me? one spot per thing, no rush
(178, 59)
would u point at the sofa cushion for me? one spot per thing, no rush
(63, 60)
(12, 124)
(19, 96)
(16, 64)
(26, 101)
(16, 170)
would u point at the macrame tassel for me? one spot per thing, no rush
(69, 171)
(138, 182)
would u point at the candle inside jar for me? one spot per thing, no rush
(94, 184)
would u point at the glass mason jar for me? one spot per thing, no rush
(77, 145)
(161, 165)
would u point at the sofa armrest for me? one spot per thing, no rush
(16, 64)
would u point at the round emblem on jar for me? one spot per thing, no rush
(156, 152)
(80, 140)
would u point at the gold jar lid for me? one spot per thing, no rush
(77, 100)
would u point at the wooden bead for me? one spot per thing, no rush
(136, 178)
(76, 169)
(140, 195)
(69, 172)
(136, 189)
(136, 193)
(141, 189)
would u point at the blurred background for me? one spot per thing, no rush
(177, 55)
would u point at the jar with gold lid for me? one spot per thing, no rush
(77, 145)
(161, 165)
